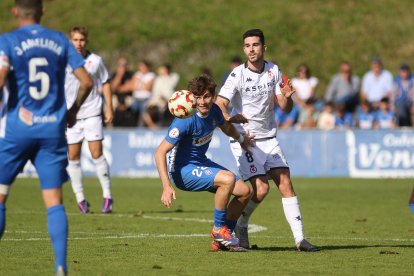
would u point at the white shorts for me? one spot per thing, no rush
(265, 156)
(90, 129)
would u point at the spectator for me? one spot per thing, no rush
(343, 118)
(119, 78)
(365, 116)
(304, 84)
(326, 120)
(123, 115)
(165, 83)
(141, 85)
(308, 116)
(344, 87)
(376, 83)
(286, 120)
(234, 62)
(402, 95)
(385, 118)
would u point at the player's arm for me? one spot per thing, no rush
(168, 192)
(284, 99)
(107, 93)
(223, 103)
(4, 70)
(85, 86)
(245, 140)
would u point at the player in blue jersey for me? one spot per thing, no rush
(190, 170)
(33, 118)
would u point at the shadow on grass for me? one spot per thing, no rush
(337, 247)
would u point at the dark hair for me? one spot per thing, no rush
(30, 9)
(306, 68)
(236, 59)
(385, 100)
(79, 29)
(255, 32)
(201, 84)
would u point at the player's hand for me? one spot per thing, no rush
(248, 141)
(238, 119)
(287, 90)
(167, 195)
(71, 118)
(109, 116)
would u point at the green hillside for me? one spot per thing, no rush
(191, 34)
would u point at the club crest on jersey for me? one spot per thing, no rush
(253, 169)
(228, 84)
(208, 172)
(174, 133)
(270, 74)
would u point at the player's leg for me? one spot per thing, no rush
(14, 155)
(75, 136)
(57, 224)
(290, 203)
(94, 136)
(411, 202)
(75, 173)
(242, 194)
(51, 162)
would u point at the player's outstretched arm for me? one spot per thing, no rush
(168, 192)
(85, 87)
(285, 99)
(223, 103)
(109, 112)
(246, 140)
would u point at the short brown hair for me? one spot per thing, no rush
(79, 29)
(201, 84)
(255, 32)
(30, 9)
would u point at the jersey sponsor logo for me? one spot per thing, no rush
(28, 44)
(25, 116)
(203, 140)
(45, 119)
(174, 133)
(262, 88)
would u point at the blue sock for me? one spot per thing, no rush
(412, 207)
(2, 219)
(220, 218)
(231, 224)
(57, 224)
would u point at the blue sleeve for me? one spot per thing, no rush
(75, 60)
(219, 114)
(177, 130)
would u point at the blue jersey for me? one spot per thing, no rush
(385, 120)
(34, 103)
(192, 137)
(365, 120)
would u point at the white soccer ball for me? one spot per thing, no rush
(182, 104)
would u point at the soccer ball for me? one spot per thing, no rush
(182, 104)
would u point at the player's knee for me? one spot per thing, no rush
(228, 180)
(262, 191)
(247, 191)
(286, 187)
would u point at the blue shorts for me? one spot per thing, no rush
(197, 178)
(49, 156)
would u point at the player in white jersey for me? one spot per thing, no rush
(89, 122)
(251, 88)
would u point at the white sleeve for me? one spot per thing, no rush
(279, 80)
(103, 74)
(231, 86)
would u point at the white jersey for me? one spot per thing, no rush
(92, 106)
(253, 95)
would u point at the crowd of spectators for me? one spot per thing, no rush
(379, 101)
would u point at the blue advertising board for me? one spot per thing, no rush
(313, 153)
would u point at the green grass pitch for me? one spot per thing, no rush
(364, 227)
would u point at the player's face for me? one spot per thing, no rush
(79, 41)
(253, 49)
(204, 103)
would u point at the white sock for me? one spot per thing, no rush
(75, 173)
(293, 216)
(243, 220)
(102, 170)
